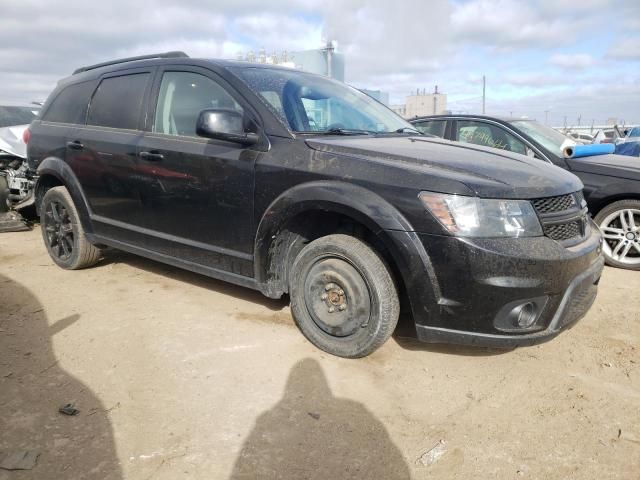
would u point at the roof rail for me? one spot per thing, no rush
(132, 59)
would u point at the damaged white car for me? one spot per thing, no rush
(16, 182)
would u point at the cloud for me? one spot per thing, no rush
(629, 49)
(511, 24)
(572, 61)
(525, 48)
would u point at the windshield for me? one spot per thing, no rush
(549, 138)
(10, 116)
(635, 132)
(309, 103)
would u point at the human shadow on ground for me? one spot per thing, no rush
(32, 389)
(312, 434)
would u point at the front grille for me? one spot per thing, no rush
(564, 231)
(554, 204)
(564, 206)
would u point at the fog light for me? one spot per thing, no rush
(525, 315)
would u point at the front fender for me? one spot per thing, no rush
(367, 208)
(61, 171)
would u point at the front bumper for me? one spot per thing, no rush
(575, 303)
(473, 282)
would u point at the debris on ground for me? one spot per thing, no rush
(315, 416)
(13, 222)
(22, 460)
(69, 409)
(432, 455)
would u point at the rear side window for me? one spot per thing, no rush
(117, 102)
(432, 127)
(70, 106)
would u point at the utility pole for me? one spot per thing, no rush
(484, 92)
(579, 118)
(546, 117)
(565, 123)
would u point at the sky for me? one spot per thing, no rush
(544, 59)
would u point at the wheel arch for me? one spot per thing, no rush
(54, 172)
(315, 209)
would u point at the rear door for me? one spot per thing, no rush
(102, 153)
(196, 193)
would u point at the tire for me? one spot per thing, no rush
(343, 297)
(62, 232)
(620, 225)
(4, 194)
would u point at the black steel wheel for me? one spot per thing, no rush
(62, 231)
(343, 296)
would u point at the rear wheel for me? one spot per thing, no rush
(63, 233)
(343, 296)
(620, 225)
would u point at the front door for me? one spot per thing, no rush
(196, 193)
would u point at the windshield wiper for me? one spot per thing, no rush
(346, 131)
(407, 130)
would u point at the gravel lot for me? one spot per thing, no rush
(179, 376)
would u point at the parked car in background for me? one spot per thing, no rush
(611, 182)
(16, 185)
(581, 137)
(632, 135)
(289, 182)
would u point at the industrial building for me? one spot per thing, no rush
(422, 103)
(324, 61)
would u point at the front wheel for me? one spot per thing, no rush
(620, 225)
(343, 296)
(62, 231)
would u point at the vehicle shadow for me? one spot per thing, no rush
(404, 335)
(32, 389)
(113, 256)
(413, 344)
(312, 434)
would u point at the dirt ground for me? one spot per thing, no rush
(180, 376)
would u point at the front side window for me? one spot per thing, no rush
(308, 103)
(432, 127)
(70, 106)
(117, 102)
(183, 95)
(488, 135)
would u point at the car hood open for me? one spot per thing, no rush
(483, 171)
(11, 141)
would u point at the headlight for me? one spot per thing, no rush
(480, 217)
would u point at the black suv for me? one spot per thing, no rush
(611, 182)
(292, 183)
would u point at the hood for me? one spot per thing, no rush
(622, 166)
(11, 140)
(484, 171)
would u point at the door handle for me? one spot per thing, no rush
(151, 156)
(75, 145)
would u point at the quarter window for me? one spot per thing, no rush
(70, 106)
(117, 102)
(183, 95)
(488, 135)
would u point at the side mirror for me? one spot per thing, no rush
(224, 124)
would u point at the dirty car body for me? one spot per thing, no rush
(315, 161)
(611, 182)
